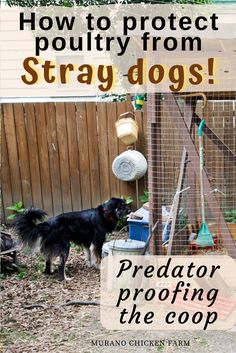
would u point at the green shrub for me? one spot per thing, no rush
(230, 216)
(144, 198)
(16, 208)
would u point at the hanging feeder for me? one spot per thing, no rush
(127, 128)
(129, 165)
(138, 101)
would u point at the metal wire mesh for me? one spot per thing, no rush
(174, 171)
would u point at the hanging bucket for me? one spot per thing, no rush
(127, 128)
(129, 165)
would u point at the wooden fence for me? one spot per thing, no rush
(58, 156)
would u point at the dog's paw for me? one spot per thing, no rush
(89, 264)
(48, 273)
(65, 279)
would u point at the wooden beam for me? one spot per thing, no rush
(189, 107)
(176, 200)
(191, 179)
(154, 162)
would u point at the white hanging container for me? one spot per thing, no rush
(129, 165)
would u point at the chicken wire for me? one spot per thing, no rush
(173, 151)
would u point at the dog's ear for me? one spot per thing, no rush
(100, 209)
(110, 205)
(120, 201)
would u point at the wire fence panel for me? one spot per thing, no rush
(174, 172)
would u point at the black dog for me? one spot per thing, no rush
(87, 228)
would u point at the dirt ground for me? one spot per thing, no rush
(71, 329)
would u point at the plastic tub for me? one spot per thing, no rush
(123, 247)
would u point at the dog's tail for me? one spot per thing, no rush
(28, 228)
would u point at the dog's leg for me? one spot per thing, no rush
(48, 269)
(61, 269)
(96, 255)
(93, 256)
(15, 259)
(15, 263)
(98, 263)
(87, 254)
(98, 259)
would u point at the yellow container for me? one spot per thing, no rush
(127, 129)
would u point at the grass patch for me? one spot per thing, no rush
(11, 336)
(76, 247)
(22, 272)
(39, 264)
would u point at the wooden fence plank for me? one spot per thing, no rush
(82, 133)
(24, 164)
(171, 159)
(11, 142)
(53, 158)
(144, 129)
(3, 217)
(33, 155)
(139, 184)
(103, 151)
(144, 142)
(73, 156)
(126, 188)
(93, 154)
(113, 147)
(41, 127)
(6, 189)
(210, 152)
(155, 117)
(141, 147)
(62, 139)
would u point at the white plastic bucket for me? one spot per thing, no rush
(126, 247)
(105, 250)
(129, 165)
